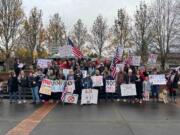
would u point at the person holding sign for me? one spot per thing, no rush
(119, 80)
(109, 79)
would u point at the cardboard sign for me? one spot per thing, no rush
(128, 90)
(157, 79)
(89, 96)
(119, 67)
(110, 86)
(21, 65)
(152, 59)
(65, 51)
(58, 86)
(97, 81)
(71, 98)
(46, 87)
(43, 63)
(70, 86)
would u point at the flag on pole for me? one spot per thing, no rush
(76, 52)
(116, 60)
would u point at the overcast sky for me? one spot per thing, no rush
(87, 10)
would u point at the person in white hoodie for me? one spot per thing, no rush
(146, 89)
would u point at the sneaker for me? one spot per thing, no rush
(24, 101)
(19, 102)
(118, 100)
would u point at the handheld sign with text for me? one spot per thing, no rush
(70, 86)
(110, 86)
(89, 96)
(157, 79)
(66, 72)
(46, 87)
(119, 67)
(65, 51)
(97, 81)
(84, 72)
(43, 63)
(152, 59)
(58, 86)
(128, 90)
(71, 98)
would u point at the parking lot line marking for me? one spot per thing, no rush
(26, 126)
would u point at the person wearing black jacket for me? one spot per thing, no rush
(174, 83)
(13, 87)
(33, 80)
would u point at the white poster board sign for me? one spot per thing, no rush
(58, 86)
(89, 96)
(136, 60)
(71, 98)
(110, 86)
(43, 63)
(84, 73)
(46, 87)
(119, 67)
(70, 86)
(65, 51)
(152, 59)
(97, 81)
(157, 79)
(128, 90)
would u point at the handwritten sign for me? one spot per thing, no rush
(152, 59)
(84, 72)
(110, 86)
(128, 90)
(136, 60)
(58, 86)
(89, 96)
(44, 63)
(46, 87)
(65, 51)
(70, 86)
(97, 81)
(119, 67)
(71, 98)
(157, 79)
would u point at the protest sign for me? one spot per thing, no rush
(89, 96)
(110, 86)
(65, 51)
(46, 87)
(119, 67)
(70, 86)
(84, 72)
(71, 98)
(157, 79)
(43, 63)
(21, 65)
(58, 86)
(128, 90)
(152, 59)
(120, 50)
(97, 81)
(136, 60)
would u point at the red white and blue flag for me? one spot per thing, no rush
(116, 60)
(76, 51)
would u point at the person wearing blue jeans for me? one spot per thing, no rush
(33, 80)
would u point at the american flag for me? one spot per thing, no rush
(77, 53)
(115, 61)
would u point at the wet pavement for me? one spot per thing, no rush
(111, 118)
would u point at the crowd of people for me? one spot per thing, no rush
(19, 82)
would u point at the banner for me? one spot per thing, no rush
(119, 66)
(43, 63)
(65, 51)
(97, 81)
(58, 86)
(110, 86)
(128, 90)
(46, 87)
(89, 96)
(70, 86)
(71, 98)
(152, 59)
(157, 79)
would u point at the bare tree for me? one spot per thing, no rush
(80, 33)
(121, 29)
(11, 16)
(142, 32)
(33, 33)
(99, 35)
(165, 21)
(56, 33)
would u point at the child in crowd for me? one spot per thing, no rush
(146, 88)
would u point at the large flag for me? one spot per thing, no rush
(116, 60)
(77, 53)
